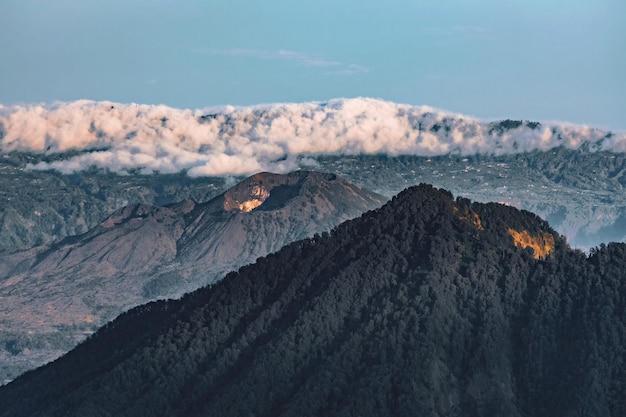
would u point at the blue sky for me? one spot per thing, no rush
(535, 59)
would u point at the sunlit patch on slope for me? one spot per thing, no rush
(542, 244)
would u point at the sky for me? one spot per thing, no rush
(545, 60)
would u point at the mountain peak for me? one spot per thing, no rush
(519, 228)
(253, 192)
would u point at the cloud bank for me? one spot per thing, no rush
(278, 137)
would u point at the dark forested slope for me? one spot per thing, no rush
(427, 306)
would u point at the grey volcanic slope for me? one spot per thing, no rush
(64, 291)
(429, 306)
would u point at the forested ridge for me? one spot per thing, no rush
(426, 306)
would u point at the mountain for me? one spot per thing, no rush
(426, 306)
(64, 291)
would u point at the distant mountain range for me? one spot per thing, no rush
(426, 306)
(43, 207)
(67, 166)
(54, 295)
(580, 191)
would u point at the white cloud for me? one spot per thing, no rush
(301, 58)
(279, 137)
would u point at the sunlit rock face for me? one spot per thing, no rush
(248, 196)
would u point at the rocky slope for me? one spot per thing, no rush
(142, 252)
(428, 306)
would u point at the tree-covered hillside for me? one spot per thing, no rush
(429, 306)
